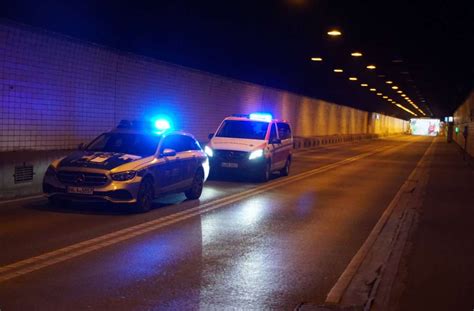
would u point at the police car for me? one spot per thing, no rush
(131, 164)
(255, 144)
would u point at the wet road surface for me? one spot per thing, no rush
(243, 245)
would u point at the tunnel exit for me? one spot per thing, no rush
(424, 126)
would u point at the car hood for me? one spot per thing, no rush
(100, 160)
(236, 144)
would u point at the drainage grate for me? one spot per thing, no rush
(23, 173)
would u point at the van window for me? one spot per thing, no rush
(284, 130)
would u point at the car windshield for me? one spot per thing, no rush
(243, 129)
(136, 144)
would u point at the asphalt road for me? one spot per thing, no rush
(241, 246)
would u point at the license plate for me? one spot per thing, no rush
(80, 190)
(230, 165)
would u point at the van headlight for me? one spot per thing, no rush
(256, 154)
(123, 176)
(208, 151)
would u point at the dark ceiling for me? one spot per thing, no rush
(271, 43)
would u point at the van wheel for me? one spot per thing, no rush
(265, 173)
(286, 170)
(195, 191)
(145, 197)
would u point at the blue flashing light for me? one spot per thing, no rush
(261, 117)
(161, 124)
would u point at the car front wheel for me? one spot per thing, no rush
(195, 191)
(265, 173)
(145, 196)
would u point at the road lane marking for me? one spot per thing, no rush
(337, 291)
(47, 259)
(29, 198)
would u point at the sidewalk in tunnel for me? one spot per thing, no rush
(437, 270)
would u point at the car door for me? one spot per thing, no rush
(170, 171)
(189, 160)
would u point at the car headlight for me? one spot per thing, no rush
(122, 176)
(209, 151)
(256, 154)
(51, 171)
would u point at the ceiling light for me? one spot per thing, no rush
(399, 92)
(395, 87)
(379, 94)
(334, 33)
(364, 85)
(316, 59)
(338, 70)
(385, 97)
(353, 78)
(373, 90)
(389, 82)
(371, 67)
(356, 54)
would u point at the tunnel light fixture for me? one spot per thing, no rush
(379, 94)
(371, 67)
(364, 85)
(338, 70)
(356, 54)
(353, 78)
(385, 97)
(334, 33)
(395, 87)
(316, 59)
(373, 90)
(389, 82)
(406, 109)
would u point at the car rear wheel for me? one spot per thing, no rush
(195, 191)
(145, 196)
(286, 170)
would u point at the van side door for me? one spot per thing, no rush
(286, 137)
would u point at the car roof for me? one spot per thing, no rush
(248, 119)
(147, 132)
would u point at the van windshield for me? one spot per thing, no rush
(243, 129)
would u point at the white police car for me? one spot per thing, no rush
(131, 164)
(255, 144)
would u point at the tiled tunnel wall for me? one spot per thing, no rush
(56, 92)
(464, 117)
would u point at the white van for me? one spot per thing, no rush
(254, 144)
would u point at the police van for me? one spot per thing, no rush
(255, 144)
(131, 164)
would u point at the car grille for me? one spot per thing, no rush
(82, 178)
(229, 155)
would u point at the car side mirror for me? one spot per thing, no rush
(81, 146)
(168, 152)
(210, 136)
(275, 141)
